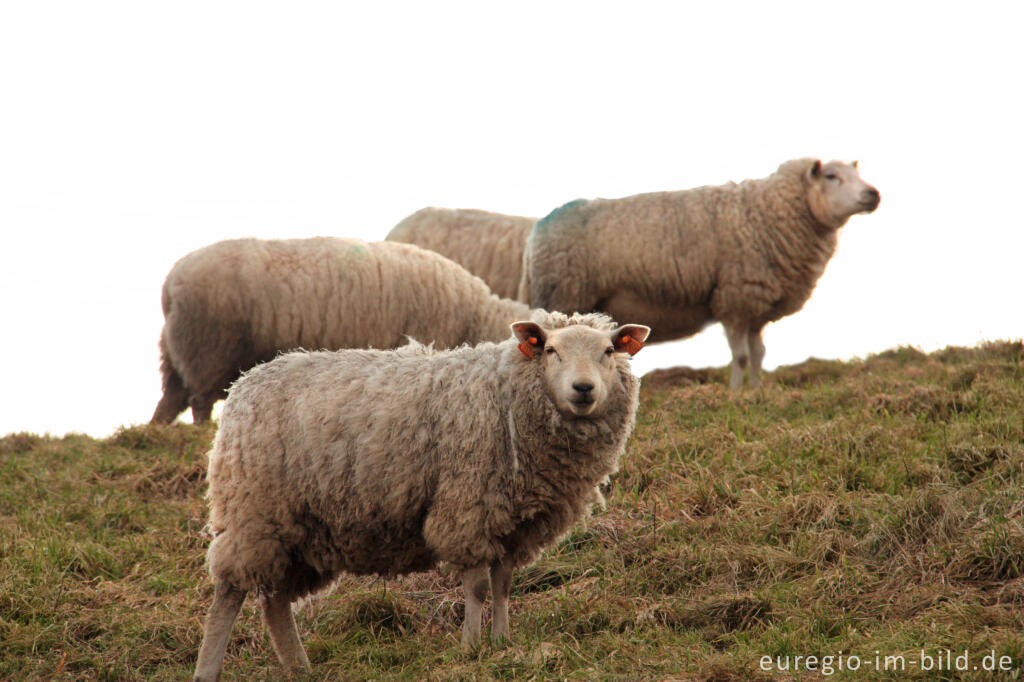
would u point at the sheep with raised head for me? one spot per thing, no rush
(388, 462)
(236, 303)
(741, 254)
(490, 245)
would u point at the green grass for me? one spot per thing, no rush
(861, 507)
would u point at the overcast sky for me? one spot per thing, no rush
(132, 133)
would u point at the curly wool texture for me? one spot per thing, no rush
(390, 461)
(237, 303)
(490, 245)
(743, 254)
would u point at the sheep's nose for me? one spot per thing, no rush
(870, 197)
(583, 387)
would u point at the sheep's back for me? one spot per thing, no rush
(330, 293)
(675, 250)
(663, 246)
(490, 245)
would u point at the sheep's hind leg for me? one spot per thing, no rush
(501, 585)
(172, 403)
(756, 342)
(277, 614)
(175, 397)
(227, 602)
(737, 336)
(474, 585)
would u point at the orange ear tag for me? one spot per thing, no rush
(632, 345)
(527, 348)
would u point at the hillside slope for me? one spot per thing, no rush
(864, 509)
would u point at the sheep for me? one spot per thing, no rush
(389, 462)
(741, 254)
(236, 303)
(490, 245)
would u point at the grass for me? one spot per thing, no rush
(856, 507)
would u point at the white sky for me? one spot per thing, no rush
(132, 133)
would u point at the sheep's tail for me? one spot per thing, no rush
(175, 398)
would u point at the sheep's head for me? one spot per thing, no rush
(581, 363)
(835, 192)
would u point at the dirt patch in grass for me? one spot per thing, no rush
(661, 379)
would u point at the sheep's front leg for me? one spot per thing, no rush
(755, 340)
(474, 585)
(501, 585)
(737, 336)
(202, 406)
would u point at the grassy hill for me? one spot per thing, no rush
(870, 508)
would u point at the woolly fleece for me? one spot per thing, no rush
(390, 461)
(490, 245)
(237, 303)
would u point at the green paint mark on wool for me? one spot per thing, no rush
(558, 213)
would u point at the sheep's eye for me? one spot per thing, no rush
(609, 350)
(831, 176)
(549, 350)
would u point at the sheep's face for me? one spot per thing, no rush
(580, 362)
(835, 192)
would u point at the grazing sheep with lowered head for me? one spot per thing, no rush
(741, 254)
(233, 304)
(388, 462)
(490, 245)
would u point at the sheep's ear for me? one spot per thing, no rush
(629, 338)
(815, 170)
(531, 337)
(854, 164)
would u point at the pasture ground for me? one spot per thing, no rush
(849, 509)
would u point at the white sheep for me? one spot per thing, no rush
(233, 304)
(741, 254)
(490, 245)
(388, 462)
